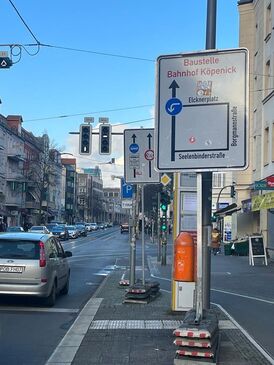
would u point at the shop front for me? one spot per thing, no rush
(264, 204)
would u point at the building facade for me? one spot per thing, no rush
(256, 34)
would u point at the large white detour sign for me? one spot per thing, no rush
(201, 111)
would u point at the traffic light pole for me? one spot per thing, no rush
(158, 230)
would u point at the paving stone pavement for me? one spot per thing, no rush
(121, 334)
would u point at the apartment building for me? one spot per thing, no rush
(255, 184)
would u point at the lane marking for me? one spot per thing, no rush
(247, 335)
(69, 345)
(159, 277)
(40, 309)
(243, 296)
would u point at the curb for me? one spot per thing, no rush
(66, 350)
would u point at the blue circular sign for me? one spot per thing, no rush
(134, 148)
(174, 106)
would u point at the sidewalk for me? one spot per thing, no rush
(109, 332)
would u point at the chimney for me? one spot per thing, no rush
(15, 123)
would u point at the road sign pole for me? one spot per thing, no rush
(207, 176)
(133, 242)
(143, 233)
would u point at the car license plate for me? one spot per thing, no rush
(12, 269)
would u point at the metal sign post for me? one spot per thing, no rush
(133, 243)
(199, 284)
(143, 234)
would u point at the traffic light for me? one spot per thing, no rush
(232, 191)
(163, 224)
(85, 139)
(105, 139)
(164, 201)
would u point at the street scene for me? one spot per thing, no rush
(136, 183)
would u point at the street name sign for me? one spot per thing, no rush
(201, 111)
(139, 156)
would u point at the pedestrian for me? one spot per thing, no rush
(215, 241)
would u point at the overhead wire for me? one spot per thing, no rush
(96, 52)
(89, 113)
(23, 21)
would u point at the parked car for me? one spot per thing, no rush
(15, 229)
(73, 232)
(39, 229)
(50, 226)
(61, 232)
(124, 227)
(82, 229)
(94, 226)
(101, 225)
(33, 264)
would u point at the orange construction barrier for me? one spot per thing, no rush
(183, 267)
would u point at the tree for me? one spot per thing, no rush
(42, 173)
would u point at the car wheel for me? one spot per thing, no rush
(65, 289)
(51, 299)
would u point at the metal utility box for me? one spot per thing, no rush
(183, 295)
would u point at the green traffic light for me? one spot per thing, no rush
(164, 227)
(164, 207)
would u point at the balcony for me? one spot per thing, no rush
(15, 176)
(32, 205)
(15, 157)
(14, 201)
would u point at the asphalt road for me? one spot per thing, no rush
(29, 332)
(247, 294)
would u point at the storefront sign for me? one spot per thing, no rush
(265, 201)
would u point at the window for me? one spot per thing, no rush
(266, 145)
(267, 78)
(52, 248)
(218, 180)
(272, 145)
(254, 153)
(268, 23)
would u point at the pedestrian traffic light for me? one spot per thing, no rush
(105, 139)
(163, 206)
(163, 224)
(85, 139)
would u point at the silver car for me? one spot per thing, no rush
(33, 264)
(39, 229)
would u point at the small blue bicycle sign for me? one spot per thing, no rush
(134, 148)
(174, 106)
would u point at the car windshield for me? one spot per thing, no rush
(58, 229)
(37, 228)
(71, 228)
(14, 229)
(14, 249)
(50, 226)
